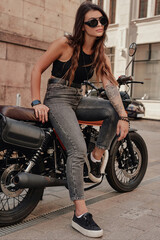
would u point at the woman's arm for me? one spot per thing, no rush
(116, 101)
(115, 98)
(54, 52)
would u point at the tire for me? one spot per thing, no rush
(15, 204)
(121, 174)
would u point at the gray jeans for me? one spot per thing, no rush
(66, 104)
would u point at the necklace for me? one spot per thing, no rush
(87, 65)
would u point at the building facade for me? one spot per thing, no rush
(136, 21)
(27, 28)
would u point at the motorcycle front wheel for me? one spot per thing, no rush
(122, 173)
(15, 204)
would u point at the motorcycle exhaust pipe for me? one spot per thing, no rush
(28, 180)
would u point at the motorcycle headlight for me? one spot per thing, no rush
(132, 107)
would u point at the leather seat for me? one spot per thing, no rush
(19, 113)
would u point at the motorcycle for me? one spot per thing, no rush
(33, 157)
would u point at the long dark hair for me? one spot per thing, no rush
(76, 40)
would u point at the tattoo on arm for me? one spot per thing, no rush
(115, 99)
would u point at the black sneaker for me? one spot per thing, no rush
(94, 170)
(86, 226)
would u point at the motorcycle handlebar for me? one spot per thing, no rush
(135, 82)
(122, 80)
(90, 84)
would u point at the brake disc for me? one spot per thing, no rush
(7, 185)
(133, 171)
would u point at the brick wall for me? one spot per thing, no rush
(26, 29)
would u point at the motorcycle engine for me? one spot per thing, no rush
(90, 136)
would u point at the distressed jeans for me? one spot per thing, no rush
(65, 105)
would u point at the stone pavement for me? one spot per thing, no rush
(127, 216)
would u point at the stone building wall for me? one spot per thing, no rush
(27, 28)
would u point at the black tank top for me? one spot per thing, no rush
(82, 72)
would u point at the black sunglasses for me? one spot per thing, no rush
(94, 22)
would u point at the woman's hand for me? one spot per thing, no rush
(41, 112)
(122, 129)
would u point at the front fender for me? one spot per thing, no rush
(132, 130)
(115, 141)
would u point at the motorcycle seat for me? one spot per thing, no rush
(18, 113)
(27, 114)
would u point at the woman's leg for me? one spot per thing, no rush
(94, 109)
(62, 103)
(66, 125)
(64, 120)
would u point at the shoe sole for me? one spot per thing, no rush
(90, 175)
(86, 232)
(104, 161)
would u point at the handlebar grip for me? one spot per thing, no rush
(137, 82)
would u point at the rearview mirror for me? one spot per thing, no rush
(132, 49)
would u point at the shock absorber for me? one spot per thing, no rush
(38, 152)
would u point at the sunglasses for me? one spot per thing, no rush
(94, 22)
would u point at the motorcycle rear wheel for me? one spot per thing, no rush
(121, 174)
(15, 204)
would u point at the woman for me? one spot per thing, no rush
(74, 59)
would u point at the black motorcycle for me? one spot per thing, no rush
(33, 157)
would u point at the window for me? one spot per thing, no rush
(111, 54)
(157, 7)
(143, 4)
(147, 69)
(112, 11)
(100, 3)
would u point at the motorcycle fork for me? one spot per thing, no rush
(130, 148)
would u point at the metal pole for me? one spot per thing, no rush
(18, 99)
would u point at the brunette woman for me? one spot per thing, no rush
(75, 57)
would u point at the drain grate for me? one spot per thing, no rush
(17, 227)
(53, 214)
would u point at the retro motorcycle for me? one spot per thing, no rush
(33, 157)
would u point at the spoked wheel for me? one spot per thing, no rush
(122, 174)
(15, 203)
